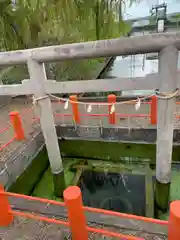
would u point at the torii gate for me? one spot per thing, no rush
(167, 45)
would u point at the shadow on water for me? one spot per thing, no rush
(122, 193)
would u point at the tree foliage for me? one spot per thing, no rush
(33, 23)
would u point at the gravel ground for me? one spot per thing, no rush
(23, 228)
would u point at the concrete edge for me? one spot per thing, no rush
(23, 157)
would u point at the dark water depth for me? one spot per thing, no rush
(117, 192)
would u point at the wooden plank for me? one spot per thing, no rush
(94, 49)
(104, 85)
(77, 177)
(38, 78)
(15, 90)
(148, 82)
(168, 59)
(107, 48)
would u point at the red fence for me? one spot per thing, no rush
(76, 216)
(112, 115)
(16, 123)
(72, 195)
(78, 116)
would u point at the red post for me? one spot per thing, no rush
(174, 221)
(75, 109)
(154, 110)
(17, 125)
(6, 216)
(112, 116)
(77, 220)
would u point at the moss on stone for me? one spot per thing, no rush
(30, 177)
(162, 194)
(112, 150)
(174, 192)
(45, 188)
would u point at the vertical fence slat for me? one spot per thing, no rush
(75, 108)
(5, 216)
(154, 110)
(77, 220)
(112, 116)
(17, 125)
(174, 221)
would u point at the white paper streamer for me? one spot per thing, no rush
(138, 104)
(89, 109)
(112, 109)
(66, 104)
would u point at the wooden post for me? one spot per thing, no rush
(6, 216)
(168, 59)
(154, 110)
(75, 109)
(38, 78)
(174, 221)
(17, 126)
(112, 116)
(77, 220)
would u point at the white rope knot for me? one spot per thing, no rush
(35, 100)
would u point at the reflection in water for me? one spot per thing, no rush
(122, 193)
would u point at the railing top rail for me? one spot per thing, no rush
(88, 209)
(93, 49)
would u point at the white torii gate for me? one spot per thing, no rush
(167, 45)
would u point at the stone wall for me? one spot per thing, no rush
(20, 160)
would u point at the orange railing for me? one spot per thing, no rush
(77, 116)
(17, 126)
(76, 216)
(16, 123)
